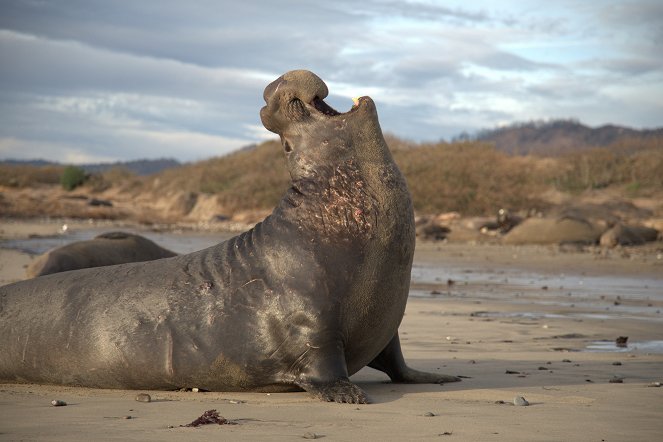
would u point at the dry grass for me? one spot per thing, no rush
(471, 178)
(468, 177)
(245, 180)
(21, 176)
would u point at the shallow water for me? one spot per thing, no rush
(594, 297)
(177, 242)
(611, 346)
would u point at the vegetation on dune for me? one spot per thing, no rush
(467, 177)
(20, 176)
(244, 180)
(634, 165)
(72, 177)
(470, 177)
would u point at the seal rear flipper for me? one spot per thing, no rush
(391, 361)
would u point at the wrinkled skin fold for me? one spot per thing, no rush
(303, 300)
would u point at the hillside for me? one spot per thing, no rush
(138, 167)
(473, 178)
(563, 136)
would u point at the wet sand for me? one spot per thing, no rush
(480, 311)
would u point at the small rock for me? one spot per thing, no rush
(520, 401)
(310, 435)
(616, 363)
(236, 401)
(429, 414)
(143, 397)
(566, 360)
(195, 389)
(446, 433)
(511, 372)
(58, 403)
(654, 384)
(127, 417)
(616, 380)
(543, 368)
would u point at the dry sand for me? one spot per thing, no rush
(570, 396)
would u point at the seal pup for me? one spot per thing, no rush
(303, 300)
(103, 250)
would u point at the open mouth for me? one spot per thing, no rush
(326, 109)
(323, 107)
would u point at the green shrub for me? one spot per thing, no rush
(72, 177)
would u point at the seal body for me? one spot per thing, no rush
(103, 250)
(306, 298)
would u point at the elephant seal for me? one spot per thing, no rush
(627, 235)
(103, 250)
(309, 296)
(564, 230)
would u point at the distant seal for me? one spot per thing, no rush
(103, 250)
(563, 230)
(306, 298)
(627, 235)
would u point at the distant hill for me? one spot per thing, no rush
(559, 136)
(139, 167)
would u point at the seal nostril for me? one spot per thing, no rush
(286, 146)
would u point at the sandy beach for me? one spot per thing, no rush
(513, 321)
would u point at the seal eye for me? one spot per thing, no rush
(286, 146)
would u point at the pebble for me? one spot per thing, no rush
(127, 417)
(654, 384)
(616, 380)
(310, 435)
(195, 389)
(143, 397)
(566, 360)
(58, 403)
(429, 414)
(520, 401)
(616, 363)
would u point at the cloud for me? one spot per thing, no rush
(125, 80)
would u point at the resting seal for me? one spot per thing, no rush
(306, 298)
(103, 250)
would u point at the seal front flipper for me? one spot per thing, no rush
(340, 390)
(391, 361)
(326, 378)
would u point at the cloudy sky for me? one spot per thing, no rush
(88, 80)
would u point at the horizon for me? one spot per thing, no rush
(104, 82)
(458, 138)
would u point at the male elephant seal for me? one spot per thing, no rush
(306, 298)
(103, 250)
